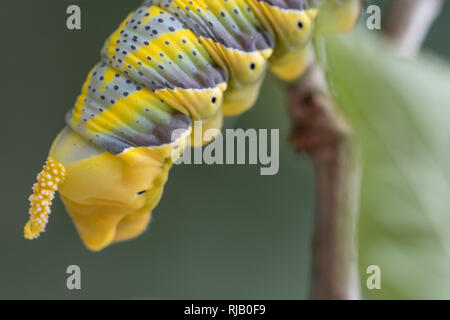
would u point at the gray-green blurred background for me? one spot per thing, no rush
(219, 231)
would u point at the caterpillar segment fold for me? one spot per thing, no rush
(110, 197)
(170, 72)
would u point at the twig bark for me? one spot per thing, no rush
(319, 130)
(408, 23)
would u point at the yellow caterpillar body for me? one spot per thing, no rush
(170, 62)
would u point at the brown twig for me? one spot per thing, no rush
(320, 131)
(408, 23)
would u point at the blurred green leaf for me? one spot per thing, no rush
(400, 113)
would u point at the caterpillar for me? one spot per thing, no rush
(170, 62)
